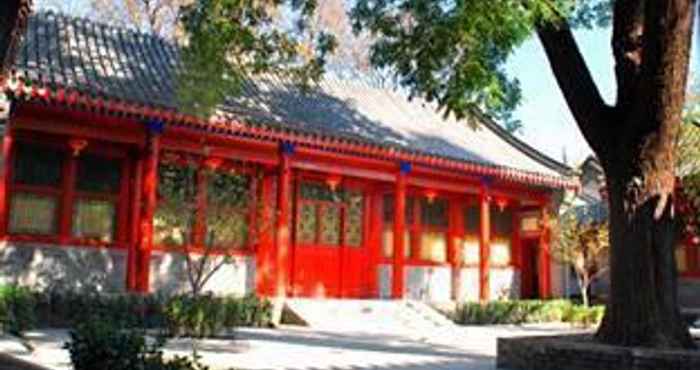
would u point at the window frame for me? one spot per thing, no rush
(66, 193)
(199, 227)
(415, 228)
(347, 185)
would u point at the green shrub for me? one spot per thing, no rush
(206, 316)
(526, 311)
(17, 309)
(102, 344)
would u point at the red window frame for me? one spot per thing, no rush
(414, 225)
(320, 205)
(199, 228)
(66, 192)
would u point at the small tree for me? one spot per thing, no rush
(582, 242)
(207, 224)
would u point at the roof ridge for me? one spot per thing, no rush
(104, 24)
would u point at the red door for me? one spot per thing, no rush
(330, 258)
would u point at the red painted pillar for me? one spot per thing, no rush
(149, 193)
(397, 278)
(544, 265)
(283, 228)
(132, 253)
(69, 173)
(454, 246)
(7, 144)
(265, 272)
(375, 226)
(484, 244)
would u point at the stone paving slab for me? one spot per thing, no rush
(299, 348)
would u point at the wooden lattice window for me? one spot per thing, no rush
(228, 209)
(501, 231)
(200, 206)
(98, 184)
(174, 217)
(354, 219)
(388, 231)
(78, 195)
(433, 230)
(36, 189)
(470, 240)
(329, 217)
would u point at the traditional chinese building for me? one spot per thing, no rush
(349, 190)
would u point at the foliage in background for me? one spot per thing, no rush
(17, 309)
(524, 312)
(227, 42)
(688, 167)
(454, 53)
(581, 240)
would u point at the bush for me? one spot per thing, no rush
(182, 315)
(17, 309)
(101, 344)
(527, 311)
(206, 316)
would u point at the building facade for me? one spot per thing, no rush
(346, 191)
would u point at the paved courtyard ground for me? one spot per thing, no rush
(464, 348)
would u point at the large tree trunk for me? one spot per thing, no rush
(635, 142)
(643, 308)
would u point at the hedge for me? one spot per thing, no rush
(525, 311)
(22, 309)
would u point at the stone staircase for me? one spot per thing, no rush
(378, 316)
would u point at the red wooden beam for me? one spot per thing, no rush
(397, 281)
(283, 235)
(7, 144)
(484, 244)
(149, 189)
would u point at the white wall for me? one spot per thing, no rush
(428, 283)
(169, 275)
(47, 266)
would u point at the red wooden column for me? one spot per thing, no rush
(376, 213)
(149, 189)
(544, 265)
(265, 272)
(7, 144)
(454, 249)
(397, 272)
(484, 243)
(283, 228)
(132, 253)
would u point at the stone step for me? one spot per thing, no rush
(368, 315)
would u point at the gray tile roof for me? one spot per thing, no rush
(116, 63)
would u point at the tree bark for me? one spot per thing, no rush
(634, 141)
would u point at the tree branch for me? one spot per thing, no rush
(576, 83)
(628, 28)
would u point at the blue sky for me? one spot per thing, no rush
(548, 124)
